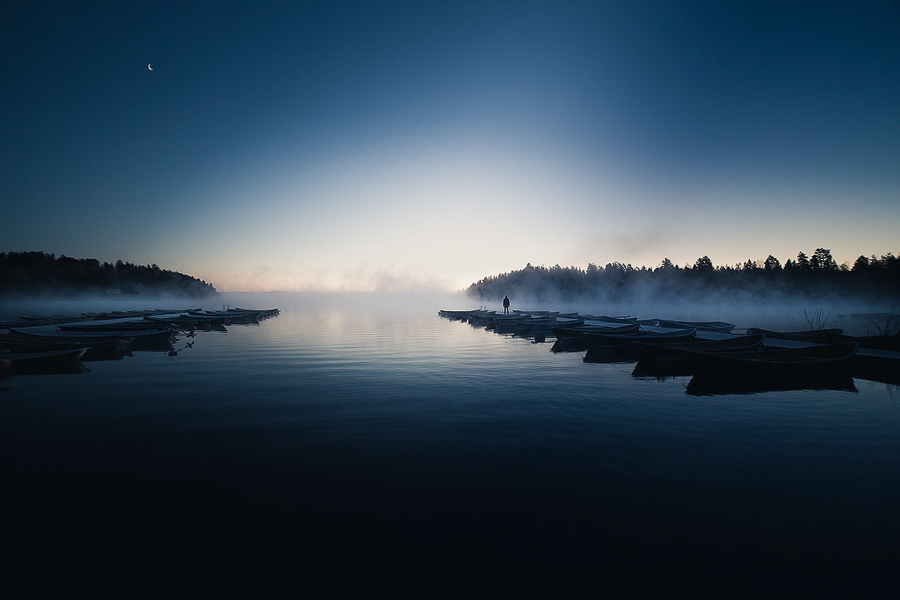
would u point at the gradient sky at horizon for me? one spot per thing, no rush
(361, 145)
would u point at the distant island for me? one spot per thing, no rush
(817, 276)
(38, 273)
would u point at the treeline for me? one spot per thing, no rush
(816, 276)
(30, 273)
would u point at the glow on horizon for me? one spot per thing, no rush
(445, 219)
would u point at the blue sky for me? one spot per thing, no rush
(356, 145)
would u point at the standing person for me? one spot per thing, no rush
(506, 305)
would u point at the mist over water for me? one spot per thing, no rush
(787, 313)
(773, 311)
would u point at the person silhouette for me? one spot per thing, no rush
(506, 305)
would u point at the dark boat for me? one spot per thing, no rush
(620, 348)
(187, 320)
(817, 336)
(140, 340)
(662, 360)
(263, 313)
(782, 365)
(574, 338)
(625, 339)
(104, 326)
(229, 316)
(717, 326)
(134, 314)
(872, 342)
(680, 350)
(583, 329)
(533, 324)
(608, 319)
(22, 344)
(56, 361)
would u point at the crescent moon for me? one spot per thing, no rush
(149, 67)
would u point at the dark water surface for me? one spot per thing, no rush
(356, 446)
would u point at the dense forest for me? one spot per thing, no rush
(37, 273)
(816, 276)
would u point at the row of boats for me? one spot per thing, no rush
(59, 344)
(718, 359)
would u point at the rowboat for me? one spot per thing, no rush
(534, 323)
(133, 314)
(56, 361)
(608, 319)
(620, 348)
(596, 338)
(29, 344)
(817, 336)
(783, 364)
(228, 317)
(187, 320)
(680, 350)
(583, 329)
(574, 338)
(874, 342)
(717, 326)
(670, 359)
(130, 325)
(139, 339)
(262, 313)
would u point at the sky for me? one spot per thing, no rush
(405, 145)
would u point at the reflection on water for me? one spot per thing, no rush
(352, 444)
(704, 385)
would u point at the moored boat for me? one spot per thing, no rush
(139, 339)
(573, 338)
(660, 350)
(262, 313)
(623, 320)
(229, 316)
(620, 348)
(661, 359)
(776, 364)
(104, 326)
(817, 336)
(873, 342)
(45, 362)
(187, 320)
(625, 339)
(717, 326)
(580, 330)
(24, 344)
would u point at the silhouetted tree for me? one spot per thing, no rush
(822, 260)
(861, 264)
(704, 265)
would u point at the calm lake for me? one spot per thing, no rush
(353, 444)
